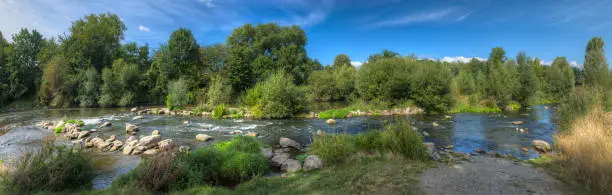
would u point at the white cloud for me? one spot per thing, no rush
(411, 19)
(545, 63)
(143, 28)
(461, 59)
(575, 64)
(463, 17)
(356, 64)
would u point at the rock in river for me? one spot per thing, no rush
(166, 145)
(203, 137)
(137, 117)
(149, 141)
(541, 146)
(286, 143)
(518, 122)
(331, 121)
(129, 128)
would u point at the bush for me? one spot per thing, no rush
(397, 138)
(277, 97)
(51, 169)
(586, 151)
(224, 162)
(334, 113)
(219, 111)
(432, 83)
(385, 79)
(59, 129)
(178, 94)
(573, 107)
(219, 92)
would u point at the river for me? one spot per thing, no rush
(465, 131)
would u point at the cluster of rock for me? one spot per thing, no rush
(397, 111)
(166, 111)
(281, 157)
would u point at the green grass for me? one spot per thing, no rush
(335, 113)
(79, 123)
(219, 111)
(464, 108)
(367, 175)
(398, 138)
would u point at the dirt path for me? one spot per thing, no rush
(487, 176)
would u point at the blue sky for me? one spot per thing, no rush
(449, 29)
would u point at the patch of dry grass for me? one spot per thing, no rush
(586, 151)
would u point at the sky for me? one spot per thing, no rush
(448, 30)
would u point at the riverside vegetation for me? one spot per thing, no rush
(265, 70)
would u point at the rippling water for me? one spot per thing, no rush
(466, 131)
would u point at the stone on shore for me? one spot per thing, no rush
(134, 109)
(203, 137)
(279, 159)
(286, 143)
(149, 141)
(541, 146)
(312, 162)
(166, 145)
(291, 166)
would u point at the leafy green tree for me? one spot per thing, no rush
(321, 85)
(527, 78)
(95, 40)
(560, 78)
(384, 54)
(89, 89)
(53, 91)
(219, 92)
(109, 89)
(178, 94)
(595, 64)
(24, 66)
(214, 57)
(385, 79)
(341, 60)
(466, 80)
(4, 70)
(277, 97)
(344, 80)
(184, 54)
(432, 83)
(497, 74)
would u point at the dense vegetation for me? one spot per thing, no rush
(90, 67)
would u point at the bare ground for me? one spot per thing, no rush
(489, 176)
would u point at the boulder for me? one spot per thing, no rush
(431, 150)
(435, 124)
(138, 150)
(96, 142)
(286, 142)
(134, 109)
(279, 159)
(83, 134)
(203, 137)
(312, 162)
(137, 117)
(184, 149)
(252, 134)
(155, 132)
(186, 122)
(149, 141)
(151, 152)
(541, 146)
(236, 132)
(111, 138)
(127, 150)
(267, 152)
(130, 139)
(116, 145)
(291, 166)
(330, 121)
(106, 124)
(517, 122)
(129, 128)
(524, 149)
(60, 124)
(166, 145)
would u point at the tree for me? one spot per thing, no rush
(276, 97)
(595, 64)
(432, 83)
(341, 60)
(344, 81)
(4, 71)
(385, 79)
(24, 66)
(54, 91)
(184, 54)
(321, 85)
(384, 54)
(498, 87)
(560, 78)
(89, 89)
(527, 79)
(178, 94)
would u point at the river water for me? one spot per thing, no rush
(465, 131)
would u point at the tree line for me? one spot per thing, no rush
(265, 68)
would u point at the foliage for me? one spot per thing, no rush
(233, 161)
(433, 83)
(385, 79)
(218, 93)
(560, 78)
(178, 94)
(528, 80)
(335, 113)
(340, 61)
(595, 64)
(398, 138)
(49, 168)
(277, 97)
(59, 129)
(219, 111)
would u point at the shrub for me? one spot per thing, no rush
(178, 94)
(398, 138)
(321, 85)
(219, 92)
(432, 83)
(586, 151)
(573, 107)
(385, 79)
(334, 113)
(240, 166)
(277, 97)
(49, 168)
(219, 111)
